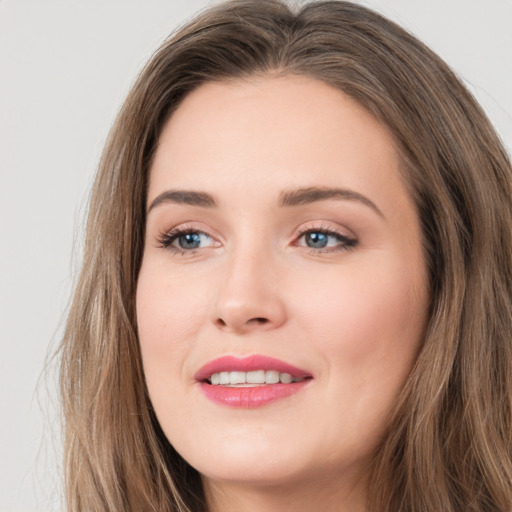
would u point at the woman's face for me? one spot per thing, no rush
(281, 244)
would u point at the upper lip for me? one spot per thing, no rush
(247, 364)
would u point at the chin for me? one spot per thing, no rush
(249, 462)
(259, 475)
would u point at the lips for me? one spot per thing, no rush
(251, 381)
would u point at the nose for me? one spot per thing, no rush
(249, 297)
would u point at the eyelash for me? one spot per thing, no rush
(166, 239)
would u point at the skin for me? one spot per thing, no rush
(353, 317)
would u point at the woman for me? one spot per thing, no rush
(296, 288)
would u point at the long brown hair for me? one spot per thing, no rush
(448, 446)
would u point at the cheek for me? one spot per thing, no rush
(169, 315)
(168, 311)
(367, 318)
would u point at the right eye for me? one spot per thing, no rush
(185, 240)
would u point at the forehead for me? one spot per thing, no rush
(273, 133)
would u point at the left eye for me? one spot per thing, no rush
(324, 240)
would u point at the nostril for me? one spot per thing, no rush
(220, 322)
(259, 320)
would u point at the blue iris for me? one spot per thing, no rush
(316, 240)
(189, 241)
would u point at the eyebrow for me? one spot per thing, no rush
(312, 194)
(189, 197)
(288, 198)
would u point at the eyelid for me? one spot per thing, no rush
(322, 226)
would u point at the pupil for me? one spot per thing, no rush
(189, 241)
(316, 240)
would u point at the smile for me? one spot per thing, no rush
(251, 381)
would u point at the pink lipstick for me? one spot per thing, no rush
(251, 381)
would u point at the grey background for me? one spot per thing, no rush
(65, 67)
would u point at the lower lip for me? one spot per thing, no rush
(250, 397)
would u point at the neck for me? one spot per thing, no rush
(304, 496)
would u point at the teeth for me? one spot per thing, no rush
(252, 378)
(256, 377)
(237, 377)
(271, 377)
(285, 378)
